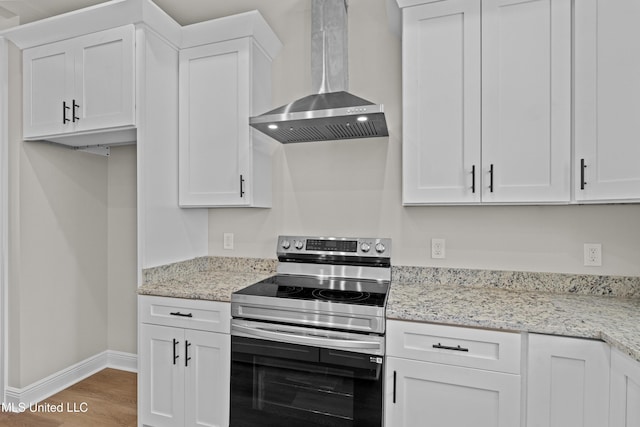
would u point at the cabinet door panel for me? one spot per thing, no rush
(625, 391)
(162, 381)
(105, 79)
(441, 395)
(441, 96)
(526, 100)
(207, 379)
(607, 90)
(214, 135)
(48, 81)
(568, 382)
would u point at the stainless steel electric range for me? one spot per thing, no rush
(308, 343)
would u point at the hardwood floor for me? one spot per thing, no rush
(105, 399)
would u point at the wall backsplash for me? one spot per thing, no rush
(583, 284)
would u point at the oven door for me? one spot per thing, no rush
(282, 384)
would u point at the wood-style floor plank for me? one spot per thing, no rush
(106, 399)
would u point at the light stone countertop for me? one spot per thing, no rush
(206, 285)
(206, 278)
(522, 302)
(614, 320)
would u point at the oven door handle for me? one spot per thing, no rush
(306, 339)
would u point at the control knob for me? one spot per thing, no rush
(299, 244)
(380, 248)
(365, 247)
(285, 244)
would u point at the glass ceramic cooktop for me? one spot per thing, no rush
(346, 291)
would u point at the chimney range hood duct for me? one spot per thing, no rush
(333, 113)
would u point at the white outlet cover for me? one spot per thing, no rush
(593, 254)
(227, 241)
(438, 249)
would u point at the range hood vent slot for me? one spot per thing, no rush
(333, 113)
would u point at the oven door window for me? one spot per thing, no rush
(280, 384)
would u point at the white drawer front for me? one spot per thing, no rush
(214, 316)
(458, 346)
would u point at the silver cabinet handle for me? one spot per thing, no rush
(295, 338)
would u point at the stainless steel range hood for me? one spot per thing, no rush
(332, 113)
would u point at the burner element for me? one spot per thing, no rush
(288, 290)
(340, 296)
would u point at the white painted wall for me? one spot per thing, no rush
(354, 188)
(122, 249)
(4, 211)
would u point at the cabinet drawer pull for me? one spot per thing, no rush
(177, 313)
(491, 178)
(583, 166)
(473, 179)
(175, 352)
(394, 386)
(65, 107)
(447, 347)
(75, 107)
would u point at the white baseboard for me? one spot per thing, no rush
(65, 378)
(122, 361)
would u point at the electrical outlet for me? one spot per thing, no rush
(227, 241)
(437, 248)
(593, 254)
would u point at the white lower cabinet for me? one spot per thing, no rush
(568, 382)
(440, 395)
(184, 369)
(625, 391)
(458, 377)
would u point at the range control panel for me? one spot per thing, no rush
(346, 246)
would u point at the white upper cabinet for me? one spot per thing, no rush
(526, 101)
(441, 102)
(607, 90)
(487, 101)
(80, 85)
(222, 160)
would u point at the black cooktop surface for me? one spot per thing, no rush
(345, 291)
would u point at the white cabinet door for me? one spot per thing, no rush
(568, 382)
(441, 102)
(208, 367)
(625, 391)
(607, 89)
(526, 101)
(161, 376)
(487, 102)
(421, 393)
(79, 85)
(184, 373)
(220, 160)
(48, 74)
(104, 79)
